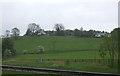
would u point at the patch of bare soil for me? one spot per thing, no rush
(94, 64)
(58, 62)
(18, 61)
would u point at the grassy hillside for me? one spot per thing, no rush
(58, 47)
(56, 43)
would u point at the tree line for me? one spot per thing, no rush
(59, 30)
(15, 32)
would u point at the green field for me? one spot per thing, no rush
(60, 43)
(58, 47)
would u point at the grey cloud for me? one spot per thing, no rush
(98, 15)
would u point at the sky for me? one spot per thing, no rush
(90, 14)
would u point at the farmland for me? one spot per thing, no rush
(62, 49)
(61, 44)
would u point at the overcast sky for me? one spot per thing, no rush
(89, 14)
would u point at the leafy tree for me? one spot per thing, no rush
(76, 32)
(28, 32)
(15, 32)
(7, 33)
(33, 29)
(50, 33)
(91, 33)
(110, 44)
(68, 32)
(59, 29)
(81, 33)
(7, 47)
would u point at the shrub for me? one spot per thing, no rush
(25, 51)
(7, 47)
(67, 62)
(40, 50)
(7, 53)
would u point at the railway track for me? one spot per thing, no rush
(56, 71)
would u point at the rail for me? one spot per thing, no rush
(58, 71)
